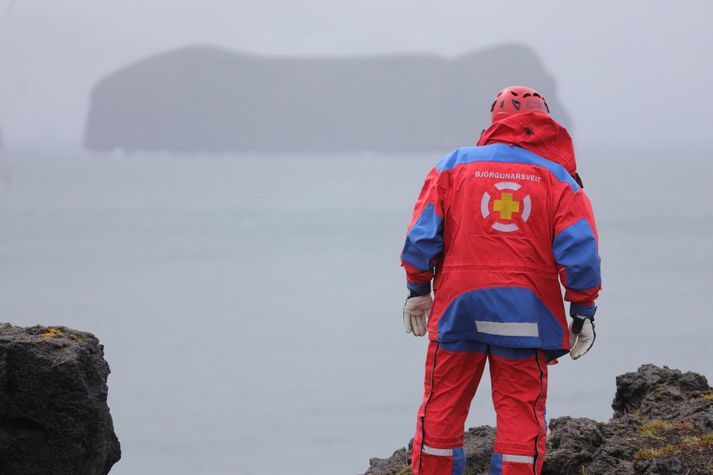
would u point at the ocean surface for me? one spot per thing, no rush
(250, 305)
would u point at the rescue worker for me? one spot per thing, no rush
(497, 227)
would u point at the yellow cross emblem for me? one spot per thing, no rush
(506, 206)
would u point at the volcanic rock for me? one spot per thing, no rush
(662, 424)
(54, 417)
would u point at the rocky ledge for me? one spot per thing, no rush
(662, 424)
(54, 417)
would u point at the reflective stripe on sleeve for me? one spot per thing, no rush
(507, 329)
(439, 452)
(518, 458)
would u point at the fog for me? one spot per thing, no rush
(629, 71)
(249, 297)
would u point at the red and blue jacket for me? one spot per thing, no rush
(497, 227)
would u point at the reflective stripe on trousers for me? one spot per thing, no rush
(519, 386)
(518, 458)
(439, 452)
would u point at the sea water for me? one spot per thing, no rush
(250, 305)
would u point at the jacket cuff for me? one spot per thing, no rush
(419, 289)
(583, 310)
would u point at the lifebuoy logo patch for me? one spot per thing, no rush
(508, 211)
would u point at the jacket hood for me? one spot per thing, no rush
(536, 132)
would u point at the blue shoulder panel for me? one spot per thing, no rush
(575, 248)
(503, 153)
(424, 241)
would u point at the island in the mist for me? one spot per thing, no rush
(206, 99)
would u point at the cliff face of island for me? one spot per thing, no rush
(662, 424)
(212, 100)
(54, 417)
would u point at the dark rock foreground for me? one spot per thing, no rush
(54, 417)
(662, 424)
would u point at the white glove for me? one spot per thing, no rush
(581, 336)
(416, 311)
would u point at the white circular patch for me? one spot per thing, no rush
(506, 206)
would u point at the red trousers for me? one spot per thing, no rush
(519, 390)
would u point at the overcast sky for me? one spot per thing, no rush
(632, 70)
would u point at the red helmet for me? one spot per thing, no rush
(517, 99)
